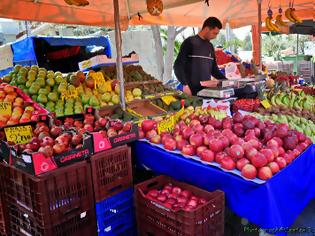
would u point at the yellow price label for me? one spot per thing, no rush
(168, 99)
(19, 134)
(265, 104)
(70, 93)
(166, 125)
(108, 86)
(5, 108)
(86, 64)
(178, 114)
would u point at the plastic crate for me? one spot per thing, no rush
(204, 220)
(111, 172)
(3, 207)
(115, 215)
(78, 224)
(51, 196)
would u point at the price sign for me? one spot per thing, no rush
(19, 134)
(86, 64)
(5, 108)
(178, 114)
(98, 78)
(108, 86)
(166, 125)
(265, 104)
(168, 99)
(70, 93)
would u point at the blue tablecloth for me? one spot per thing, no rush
(274, 204)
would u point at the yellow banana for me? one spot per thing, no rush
(270, 25)
(288, 15)
(279, 21)
(293, 15)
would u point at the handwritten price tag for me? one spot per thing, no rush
(70, 93)
(19, 134)
(168, 99)
(265, 104)
(166, 125)
(5, 108)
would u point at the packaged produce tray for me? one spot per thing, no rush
(206, 219)
(111, 172)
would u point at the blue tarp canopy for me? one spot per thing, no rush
(24, 51)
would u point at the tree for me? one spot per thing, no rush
(247, 45)
(165, 58)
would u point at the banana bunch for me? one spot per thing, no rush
(291, 100)
(279, 20)
(290, 14)
(78, 3)
(269, 22)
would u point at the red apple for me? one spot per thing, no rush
(236, 151)
(200, 149)
(59, 148)
(272, 143)
(156, 139)
(165, 136)
(282, 130)
(208, 128)
(170, 144)
(281, 162)
(219, 156)
(250, 153)
(47, 141)
(255, 143)
(225, 141)
(249, 171)
(215, 145)
(207, 155)
(264, 173)
(180, 144)
(241, 163)
(278, 140)
(275, 151)
(238, 129)
(227, 163)
(281, 151)
(237, 117)
(188, 150)
(150, 134)
(196, 140)
(187, 132)
(147, 125)
(274, 167)
(268, 153)
(259, 160)
(185, 193)
(197, 127)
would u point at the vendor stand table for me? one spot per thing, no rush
(272, 205)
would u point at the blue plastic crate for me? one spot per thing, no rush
(116, 215)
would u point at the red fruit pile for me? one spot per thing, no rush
(256, 148)
(246, 104)
(51, 141)
(108, 128)
(175, 198)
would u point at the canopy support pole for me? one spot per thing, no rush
(297, 53)
(259, 34)
(119, 65)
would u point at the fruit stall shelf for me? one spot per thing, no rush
(262, 204)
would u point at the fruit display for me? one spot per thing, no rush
(290, 14)
(117, 113)
(175, 198)
(246, 104)
(22, 111)
(156, 89)
(51, 141)
(309, 90)
(90, 123)
(302, 121)
(255, 148)
(132, 73)
(280, 76)
(177, 105)
(280, 96)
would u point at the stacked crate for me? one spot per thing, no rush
(113, 192)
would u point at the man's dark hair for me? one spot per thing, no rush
(212, 22)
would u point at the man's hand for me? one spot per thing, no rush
(210, 83)
(186, 90)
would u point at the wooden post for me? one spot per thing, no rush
(259, 34)
(119, 65)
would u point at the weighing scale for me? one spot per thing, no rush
(228, 88)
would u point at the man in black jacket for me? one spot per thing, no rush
(196, 62)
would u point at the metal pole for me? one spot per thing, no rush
(259, 34)
(297, 53)
(119, 66)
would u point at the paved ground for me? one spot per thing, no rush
(306, 219)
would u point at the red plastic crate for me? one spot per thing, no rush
(204, 220)
(74, 224)
(111, 172)
(48, 198)
(3, 209)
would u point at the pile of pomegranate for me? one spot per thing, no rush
(175, 198)
(255, 148)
